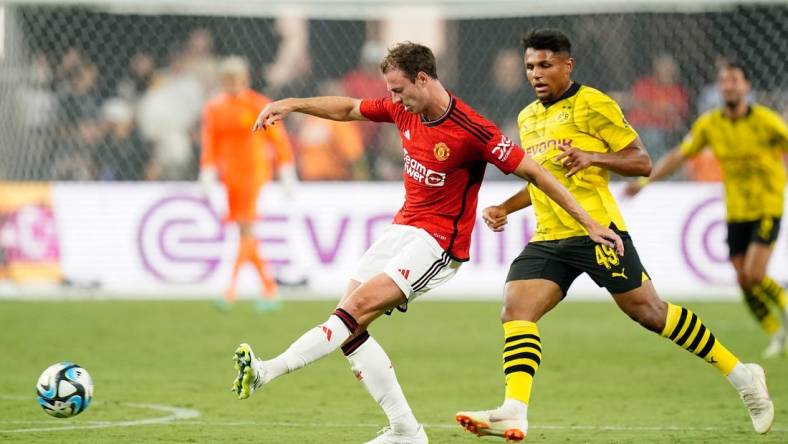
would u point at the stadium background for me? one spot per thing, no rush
(101, 103)
(98, 146)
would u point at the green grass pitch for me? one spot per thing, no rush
(603, 378)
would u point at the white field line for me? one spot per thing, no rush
(175, 414)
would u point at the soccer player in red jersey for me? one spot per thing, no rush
(446, 147)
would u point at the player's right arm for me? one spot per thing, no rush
(327, 107)
(208, 173)
(495, 216)
(668, 164)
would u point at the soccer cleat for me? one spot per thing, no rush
(268, 305)
(777, 345)
(756, 398)
(248, 367)
(388, 436)
(480, 424)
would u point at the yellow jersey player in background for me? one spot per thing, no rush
(579, 134)
(749, 141)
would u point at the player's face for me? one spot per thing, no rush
(733, 86)
(548, 72)
(234, 83)
(413, 95)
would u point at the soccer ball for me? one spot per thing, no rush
(64, 390)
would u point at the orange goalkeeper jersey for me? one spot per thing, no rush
(240, 156)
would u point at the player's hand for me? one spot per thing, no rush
(606, 236)
(574, 159)
(494, 217)
(271, 113)
(631, 189)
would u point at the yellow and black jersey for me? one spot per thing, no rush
(584, 118)
(750, 150)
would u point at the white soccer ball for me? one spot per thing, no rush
(64, 390)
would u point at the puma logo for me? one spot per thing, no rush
(619, 275)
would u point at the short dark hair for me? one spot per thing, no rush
(410, 58)
(548, 39)
(736, 65)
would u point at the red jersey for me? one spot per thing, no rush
(444, 167)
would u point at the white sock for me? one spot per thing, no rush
(512, 408)
(740, 377)
(373, 368)
(313, 345)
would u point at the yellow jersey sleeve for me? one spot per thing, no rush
(697, 138)
(776, 124)
(606, 121)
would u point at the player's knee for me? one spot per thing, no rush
(749, 279)
(513, 311)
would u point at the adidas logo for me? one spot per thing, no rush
(404, 272)
(406, 134)
(328, 333)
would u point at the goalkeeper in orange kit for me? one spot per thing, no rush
(243, 161)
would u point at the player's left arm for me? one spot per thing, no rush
(632, 160)
(542, 179)
(600, 116)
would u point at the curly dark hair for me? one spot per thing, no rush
(547, 39)
(410, 58)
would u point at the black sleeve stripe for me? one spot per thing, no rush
(464, 117)
(475, 133)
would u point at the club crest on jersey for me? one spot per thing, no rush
(441, 151)
(563, 116)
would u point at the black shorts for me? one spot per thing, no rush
(562, 261)
(761, 231)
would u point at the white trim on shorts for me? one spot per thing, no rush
(410, 257)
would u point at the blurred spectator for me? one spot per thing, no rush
(659, 106)
(166, 115)
(289, 74)
(388, 163)
(76, 151)
(366, 81)
(79, 98)
(704, 167)
(37, 102)
(123, 154)
(70, 63)
(330, 150)
(508, 93)
(142, 67)
(200, 61)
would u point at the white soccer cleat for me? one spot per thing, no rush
(756, 398)
(482, 424)
(777, 345)
(249, 370)
(388, 436)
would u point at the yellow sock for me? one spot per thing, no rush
(522, 354)
(685, 328)
(757, 302)
(773, 290)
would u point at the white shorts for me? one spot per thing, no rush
(409, 256)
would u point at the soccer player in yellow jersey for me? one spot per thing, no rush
(749, 140)
(579, 134)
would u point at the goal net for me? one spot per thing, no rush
(112, 90)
